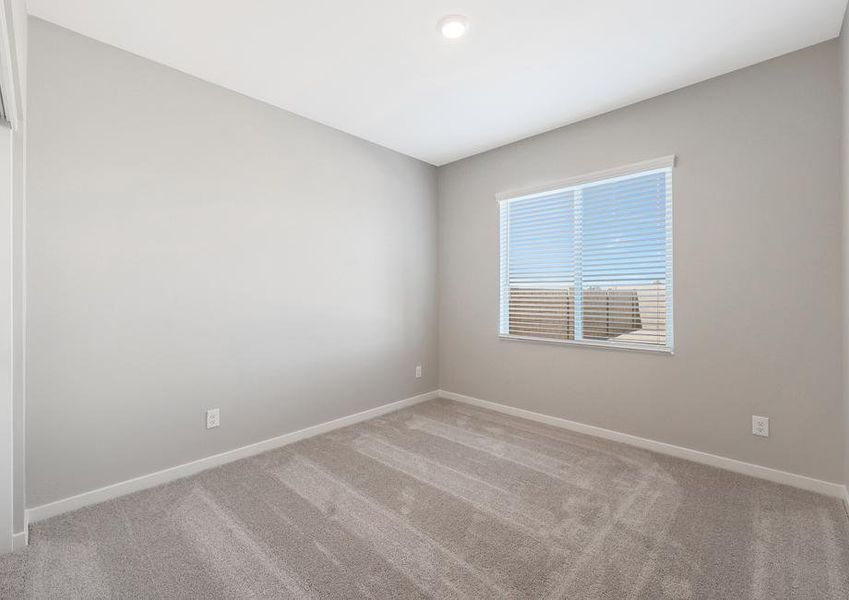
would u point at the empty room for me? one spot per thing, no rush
(424, 299)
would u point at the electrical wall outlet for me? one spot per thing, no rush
(213, 418)
(418, 371)
(760, 426)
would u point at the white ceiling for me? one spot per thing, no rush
(380, 70)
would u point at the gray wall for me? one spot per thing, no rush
(757, 271)
(844, 78)
(17, 15)
(191, 248)
(7, 344)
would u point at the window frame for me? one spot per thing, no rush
(665, 163)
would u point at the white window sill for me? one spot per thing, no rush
(591, 344)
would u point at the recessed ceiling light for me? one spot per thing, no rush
(453, 26)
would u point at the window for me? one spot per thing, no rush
(589, 260)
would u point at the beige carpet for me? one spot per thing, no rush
(446, 501)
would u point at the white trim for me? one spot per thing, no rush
(827, 488)
(664, 162)
(578, 258)
(8, 58)
(21, 540)
(590, 344)
(670, 262)
(846, 499)
(45, 511)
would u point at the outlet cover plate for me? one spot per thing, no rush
(760, 426)
(213, 418)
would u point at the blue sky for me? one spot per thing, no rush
(623, 241)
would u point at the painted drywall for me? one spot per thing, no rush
(7, 370)
(19, 136)
(12, 207)
(18, 319)
(757, 246)
(844, 164)
(191, 248)
(12, 274)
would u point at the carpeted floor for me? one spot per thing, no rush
(443, 500)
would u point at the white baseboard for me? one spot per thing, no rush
(20, 540)
(45, 511)
(729, 464)
(846, 499)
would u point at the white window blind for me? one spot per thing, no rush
(590, 260)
